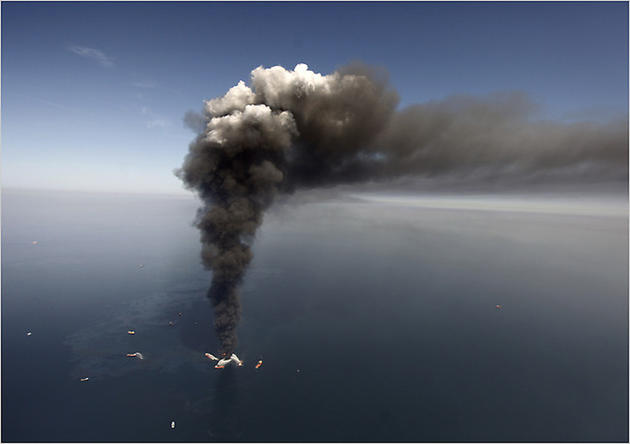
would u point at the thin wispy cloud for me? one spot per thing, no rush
(93, 54)
(155, 120)
(44, 102)
(147, 84)
(157, 123)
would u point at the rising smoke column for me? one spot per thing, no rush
(234, 167)
(292, 123)
(296, 128)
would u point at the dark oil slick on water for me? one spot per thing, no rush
(387, 311)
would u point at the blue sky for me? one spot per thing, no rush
(93, 95)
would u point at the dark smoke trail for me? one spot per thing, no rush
(232, 166)
(302, 129)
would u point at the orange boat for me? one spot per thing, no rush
(259, 364)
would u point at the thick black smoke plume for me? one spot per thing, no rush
(298, 128)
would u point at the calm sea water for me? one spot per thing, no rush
(375, 320)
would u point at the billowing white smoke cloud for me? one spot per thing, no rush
(254, 127)
(235, 99)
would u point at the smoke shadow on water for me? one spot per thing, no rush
(218, 411)
(224, 420)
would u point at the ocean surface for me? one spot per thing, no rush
(375, 316)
